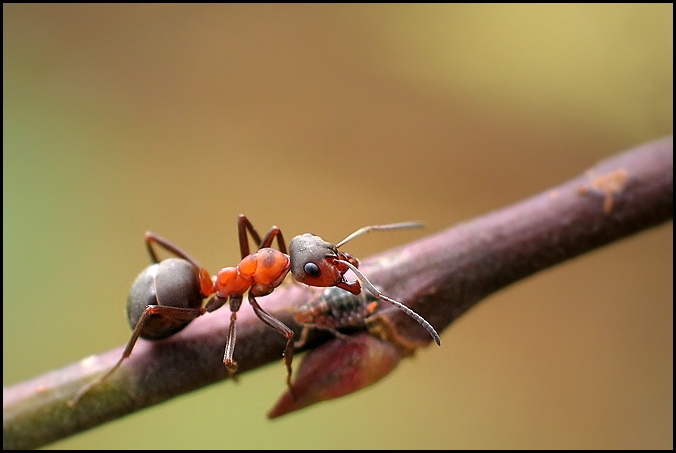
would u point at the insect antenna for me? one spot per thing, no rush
(391, 226)
(373, 290)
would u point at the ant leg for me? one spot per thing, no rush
(267, 240)
(152, 238)
(390, 226)
(283, 329)
(170, 312)
(214, 303)
(230, 364)
(206, 285)
(243, 225)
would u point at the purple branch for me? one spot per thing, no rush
(440, 277)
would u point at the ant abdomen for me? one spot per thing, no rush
(172, 282)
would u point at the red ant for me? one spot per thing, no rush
(168, 294)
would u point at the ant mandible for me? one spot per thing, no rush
(168, 294)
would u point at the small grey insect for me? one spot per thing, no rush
(335, 309)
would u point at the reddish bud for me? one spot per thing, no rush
(337, 368)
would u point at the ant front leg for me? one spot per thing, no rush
(283, 329)
(267, 240)
(244, 226)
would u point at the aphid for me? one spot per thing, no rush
(334, 309)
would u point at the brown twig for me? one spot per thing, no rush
(440, 277)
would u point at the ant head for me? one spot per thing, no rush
(315, 262)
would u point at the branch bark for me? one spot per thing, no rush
(440, 277)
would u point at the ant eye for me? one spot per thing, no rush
(312, 270)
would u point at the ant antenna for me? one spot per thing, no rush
(391, 226)
(373, 290)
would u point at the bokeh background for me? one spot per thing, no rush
(325, 118)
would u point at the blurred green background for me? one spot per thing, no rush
(326, 118)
